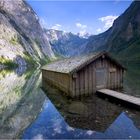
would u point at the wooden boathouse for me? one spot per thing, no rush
(83, 75)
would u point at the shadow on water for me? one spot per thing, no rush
(20, 100)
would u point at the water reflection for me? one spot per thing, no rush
(20, 101)
(89, 113)
(20, 70)
(87, 117)
(50, 124)
(132, 81)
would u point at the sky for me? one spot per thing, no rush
(82, 17)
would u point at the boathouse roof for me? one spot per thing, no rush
(73, 64)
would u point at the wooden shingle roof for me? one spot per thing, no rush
(73, 64)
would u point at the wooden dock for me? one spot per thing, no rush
(120, 96)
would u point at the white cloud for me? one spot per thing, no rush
(108, 21)
(99, 30)
(38, 137)
(56, 27)
(70, 128)
(81, 26)
(82, 33)
(43, 22)
(89, 132)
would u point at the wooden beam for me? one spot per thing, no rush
(121, 96)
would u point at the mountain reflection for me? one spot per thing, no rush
(26, 112)
(86, 117)
(51, 124)
(88, 113)
(20, 100)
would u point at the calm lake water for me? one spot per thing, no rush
(28, 112)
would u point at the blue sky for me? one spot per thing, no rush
(93, 17)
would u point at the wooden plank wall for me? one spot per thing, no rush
(85, 82)
(115, 81)
(60, 80)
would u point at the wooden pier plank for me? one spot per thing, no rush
(121, 96)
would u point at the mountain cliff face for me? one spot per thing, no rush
(22, 39)
(123, 38)
(65, 43)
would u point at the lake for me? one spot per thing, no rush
(28, 112)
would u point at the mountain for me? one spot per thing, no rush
(66, 43)
(123, 39)
(22, 39)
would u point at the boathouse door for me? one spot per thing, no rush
(101, 78)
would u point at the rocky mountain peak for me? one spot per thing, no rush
(65, 43)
